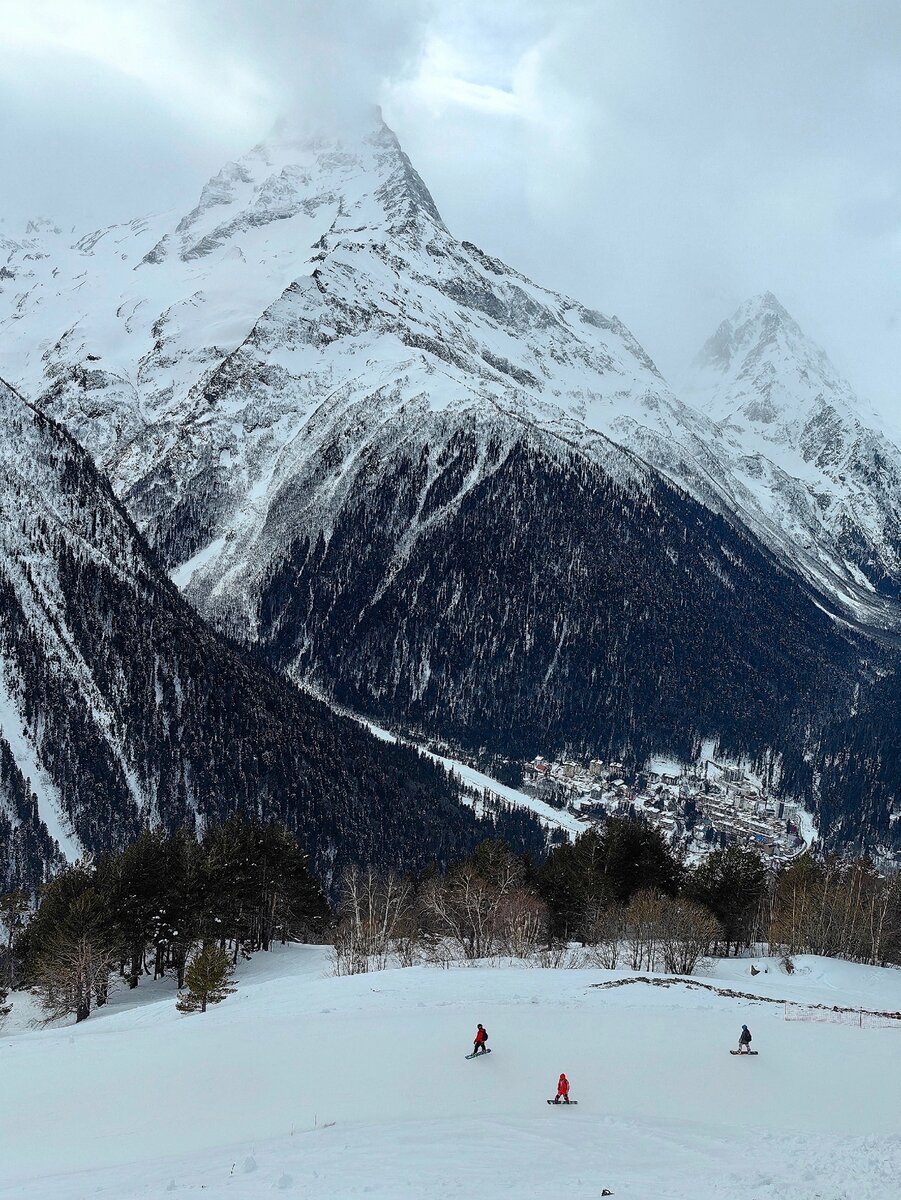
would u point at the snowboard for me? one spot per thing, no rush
(747, 1053)
(561, 1103)
(475, 1055)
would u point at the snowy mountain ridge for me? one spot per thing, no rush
(214, 350)
(314, 287)
(39, 511)
(818, 453)
(120, 708)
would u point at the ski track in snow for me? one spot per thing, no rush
(353, 1087)
(554, 818)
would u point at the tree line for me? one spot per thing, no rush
(617, 896)
(153, 908)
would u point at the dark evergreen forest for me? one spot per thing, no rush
(554, 607)
(139, 713)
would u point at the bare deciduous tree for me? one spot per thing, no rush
(522, 921)
(71, 973)
(831, 907)
(603, 930)
(644, 929)
(376, 920)
(470, 905)
(689, 933)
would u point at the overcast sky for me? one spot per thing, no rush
(658, 159)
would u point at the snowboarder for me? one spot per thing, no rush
(479, 1044)
(562, 1096)
(744, 1040)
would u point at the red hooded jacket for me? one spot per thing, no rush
(563, 1086)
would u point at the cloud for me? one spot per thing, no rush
(229, 62)
(100, 89)
(661, 161)
(664, 161)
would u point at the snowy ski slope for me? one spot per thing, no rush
(353, 1087)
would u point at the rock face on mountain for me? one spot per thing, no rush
(423, 484)
(824, 471)
(313, 294)
(119, 707)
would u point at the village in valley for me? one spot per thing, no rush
(696, 808)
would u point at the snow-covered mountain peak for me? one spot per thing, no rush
(206, 359)
(761, 372)
(778, 401)
(366, 182)
(303, 243)
(759, 367)
(755, 324)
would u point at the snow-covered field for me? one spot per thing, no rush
(353, 1087)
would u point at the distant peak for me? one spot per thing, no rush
(764, 305)
(755, 324)
(760, 366)
(360, 136)
(768, 300)
(349, 162)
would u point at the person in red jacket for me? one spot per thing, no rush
(562, 1090)
(479, 1044)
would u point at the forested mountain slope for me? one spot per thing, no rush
(430, 488)
(119, 707)
(576, 607)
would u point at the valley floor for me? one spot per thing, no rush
(358, 1087)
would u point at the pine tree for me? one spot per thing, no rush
(71, 947)
(603, 867)
(14, 907)
(135, 881)
(207, 980)
(730, 884)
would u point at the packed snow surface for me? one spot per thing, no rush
(346, 1087)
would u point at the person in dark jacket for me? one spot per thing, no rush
(562, 1090)
(744, 1040)
(479, 1045)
